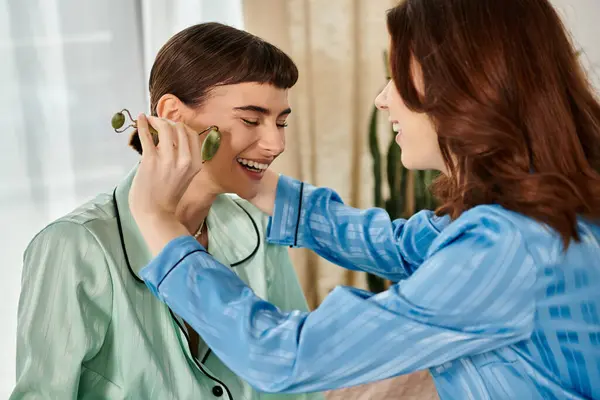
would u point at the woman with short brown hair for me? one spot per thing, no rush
(88, 327)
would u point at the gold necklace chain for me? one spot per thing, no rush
(199, 231)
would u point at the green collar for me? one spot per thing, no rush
(233, 234)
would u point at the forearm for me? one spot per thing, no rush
(159, 229)
(366, 240)
(337, 345)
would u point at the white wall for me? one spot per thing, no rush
(581, 17)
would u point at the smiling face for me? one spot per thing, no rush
(251, 118)
(415, 132)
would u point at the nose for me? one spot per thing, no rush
(272, 141)
(381, 99)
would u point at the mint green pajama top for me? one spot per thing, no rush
(89, 328)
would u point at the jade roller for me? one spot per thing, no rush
(209, 146)
(211, 143)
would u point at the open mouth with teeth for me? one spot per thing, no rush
(252, 166)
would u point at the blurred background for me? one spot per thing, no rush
(67, 65)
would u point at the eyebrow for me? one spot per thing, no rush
(262, 110)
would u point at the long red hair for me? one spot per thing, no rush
(517, 120)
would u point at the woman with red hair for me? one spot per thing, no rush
(498, 291)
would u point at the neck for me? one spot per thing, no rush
(195, 204)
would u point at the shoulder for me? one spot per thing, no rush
(67, 257)
(486, 250)
(484, 226)
(100, 209)
(73, 235)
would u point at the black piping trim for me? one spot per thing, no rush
(299, 213)
(176, 265)
(187, 338)
(122, 237)
(257, 239)
(206, 355)
(199, 365)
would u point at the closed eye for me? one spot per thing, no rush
(256, 123)
(249, 122)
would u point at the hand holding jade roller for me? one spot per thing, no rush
(210, 145)
(165, 171)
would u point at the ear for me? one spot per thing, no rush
(170, 107)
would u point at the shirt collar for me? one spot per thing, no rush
(233, 234)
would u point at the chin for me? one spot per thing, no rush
(413, 164)
(246, 193)
(408, 162)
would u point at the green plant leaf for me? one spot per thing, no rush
(375, 153)
(375, 283)
(386, 63)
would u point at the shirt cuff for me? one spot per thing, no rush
(167, 260)
(282, 227)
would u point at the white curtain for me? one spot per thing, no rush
(163, 18)
(581, 19)
(65, 67)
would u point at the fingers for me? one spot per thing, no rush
(193, 143)
(148, 148)
(179, 145)
(195, 147)
(167, 138)
(190, 154)
(184, 156)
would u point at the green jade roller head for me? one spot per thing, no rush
(210, 145)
